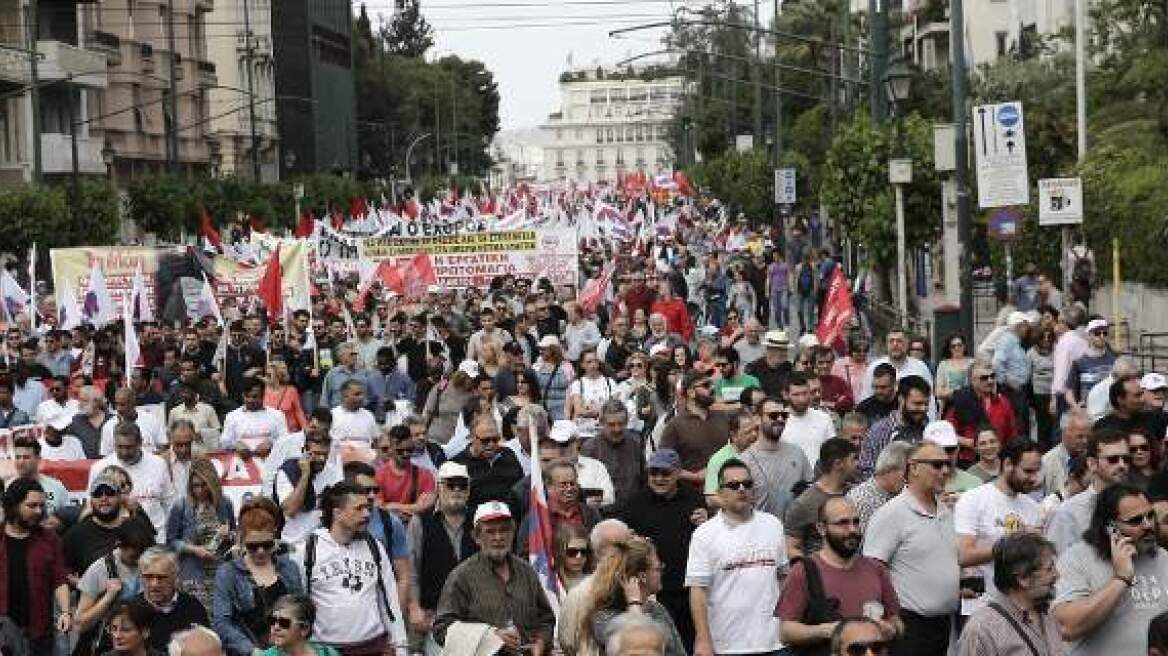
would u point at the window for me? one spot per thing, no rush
(640, 133)
(599, 135)
(610, 139)
(1000, 37)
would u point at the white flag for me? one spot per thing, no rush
(98, 307)
(141, 309)
(133, 349)
(15, 299)
(32, 286)
(206, 303)
(68, 310)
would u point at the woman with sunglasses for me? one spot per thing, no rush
(1144, 459)
(129, 629)
(953, 369)
(573, 554)
(291, 625)
(247, 586)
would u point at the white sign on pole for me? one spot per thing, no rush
(744, 143)
(900, 171)
(784, 186)
(1060, 201)
(999, 137)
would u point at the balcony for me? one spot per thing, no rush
(207, 75)
(109, 44)
(14, 67)
(61, 61)
(56, 154)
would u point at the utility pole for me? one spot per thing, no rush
(251, 113)
(756, 74)
(172, 99)
(437, 135)
(961, 151)
(74, 124)
(454, 122)
(778, 94)
(32, 21)
(878, 34)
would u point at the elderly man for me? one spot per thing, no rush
(1093, 366)
(149, 426)
(980, 404)
(595, 482)
(346, 369)
(493, 470)
(751, 346)
(1099, 398)
(1076, 427)
(773, 367)
(196, 641)
(886, 482)
(618, 449)
(152, 487)
(1012, 369)
(636, 634)
(174, 610)
(565, 502)
(496, 588)
(904, 364)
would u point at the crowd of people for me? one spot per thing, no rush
(717, 481)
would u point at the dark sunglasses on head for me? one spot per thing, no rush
(266, 545)
(738, 485)
(576, 552)
(877, 647)
(282, 622)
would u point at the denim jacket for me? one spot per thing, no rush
(180, 531)
(234, 598)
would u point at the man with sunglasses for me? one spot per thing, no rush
(439, 540)
(58, 402)
(858, 637)
(734, 571)
(1108, 462)
(404, 488)
(776, 466)
(493, 469)
(913, 536)
(1093, 366)
(860, 585)
(695, 432)
(978, 404)
(1111, 584)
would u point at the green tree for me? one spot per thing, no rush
(742, 180)
(409, 33)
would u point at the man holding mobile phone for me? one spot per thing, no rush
(1108, 461)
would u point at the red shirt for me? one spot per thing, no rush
(639, 296)
(1000, 415)
(866, 583)
(46, 572)
(836, 392)
(676, 317)
(404, 486)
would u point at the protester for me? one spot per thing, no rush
(1108, 461)
(776, 466)
(112, 578)
(837, 465)
(906, 423)
(150, 428)
(886, 483)
(882, 402)
(173, 609)
(572, 555)
(131, 629)
(291, 625)
(989, 455)
(300, 484)
(150, 480)
(404, 488)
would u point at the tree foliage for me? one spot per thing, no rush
(43, 215)
(409, 33)
(742, 179)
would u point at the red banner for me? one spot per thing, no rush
(838, 309)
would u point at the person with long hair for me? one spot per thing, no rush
(199, 529)
(624, 582)
(291, 626)
(1145, 458)
(490, 351)
(248, 586)
(573, 554)
(279, 394)
(987, 445)
(854, 368)
(129, 628)
(446, 400)
(526, 392)
(554, 375)
(953, 368)
(1041, 357)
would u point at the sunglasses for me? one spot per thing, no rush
(985, 377)
(266, 545)
(657, 471)
(738, 486)
(877, 647)
(1100, 333)
(1114, 460)
(576, 552)
(103, 491)
(779, 414)
(282, 622)
(1149, 517)
(456, 484)
(938, 464)
(1139, 447)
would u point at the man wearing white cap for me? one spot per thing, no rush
(495, 588)
(593, 478)
(1012, 369)
(1155, 388)
(1091, 367)
(773, 368)
(439, 539)
(943, 434)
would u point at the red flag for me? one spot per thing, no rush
(271, 287)
(540, 545)
(684, 187)
(410, 208)
(256, 223)
(593, 292)
(338, 218)
(411, 278)
(306, 226)
(838, 309)
(358, 207)
(207, 229)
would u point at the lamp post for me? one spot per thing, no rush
(108, 156)
(897, 83)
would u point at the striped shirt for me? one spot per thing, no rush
(880, 435)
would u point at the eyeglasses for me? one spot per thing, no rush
(266, 545)
(1139, 447)
(849, 521)
(779, 414)
(738, 486)
(576, 552)
(985, 377)
(1100, 333)
(1148, 517)
(456, 484)
(1114, 460)
(938, 464)
(282, 622)
(877, 647)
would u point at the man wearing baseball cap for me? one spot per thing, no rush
(1155, 389)
(496, 588)
(1091, 367)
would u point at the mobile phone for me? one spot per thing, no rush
(1113, 531)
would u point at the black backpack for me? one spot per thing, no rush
(97, 640)
(310, 561)
(820, 608)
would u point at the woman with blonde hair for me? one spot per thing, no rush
(279, 394)
(555, 375)
(624, 582)
(489, 350)
(200, 530)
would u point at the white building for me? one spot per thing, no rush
(610, 123)
(230, 112)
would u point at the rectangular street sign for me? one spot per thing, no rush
(999, 139)
(784, 186)
(1060, 201)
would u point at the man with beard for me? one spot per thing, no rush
(999, 508)
(906, 424)
(126, 408)
(96, 534)
(1108, 462)
(149, 476)
(807, 427)
(439, 540)
(695, 432)
(252, 427)
(496, 588)
(299, 485)
(1024, 575)
(837, 466)
(883, 400)
(349, 578)
(667, 513)
(776, 465)
(859, 584)
(904, 364)
(32, 568)
(1111, 585)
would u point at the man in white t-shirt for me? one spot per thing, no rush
(300, 482)
(126, 410)
(351, 421)
(588, 393)
(737, 560)
(996, 509)
(56, 444)
(807, 427)
(149, 476)
(252, 426)
(58, 402)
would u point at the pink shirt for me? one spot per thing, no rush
(1070, 347)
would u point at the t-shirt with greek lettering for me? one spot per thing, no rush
(739, 565)
(1082, 573)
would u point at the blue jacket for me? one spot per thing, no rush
(234, 598)
(180, 530)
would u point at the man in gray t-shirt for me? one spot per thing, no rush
(775, 466)
(99, 590)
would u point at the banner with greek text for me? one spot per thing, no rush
(238, 282)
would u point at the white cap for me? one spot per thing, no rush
(1154, 381)
(1016, 318)
(808, 341)
(941, 433)
(470, 368)
(451, 469)
(548, 341)
(1096, 324)
(564, 431)
(659, 347)
(708, 331)
(491, 510)
(776, 339)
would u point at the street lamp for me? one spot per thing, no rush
(107, 157)
(897, 84)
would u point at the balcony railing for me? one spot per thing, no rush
(60, 61)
